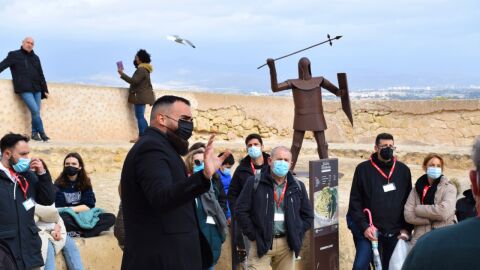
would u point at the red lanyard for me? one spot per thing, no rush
(253, 168)
(19, 178)
(380, 170)
(424, 193)
(275, 196)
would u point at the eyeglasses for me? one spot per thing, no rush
(386, 146)
(181, 119)
(198, 162)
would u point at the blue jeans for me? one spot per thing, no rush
(140, 115)
(33, 102)
(363, 246)
(70, 253)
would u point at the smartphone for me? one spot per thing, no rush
(120, 65)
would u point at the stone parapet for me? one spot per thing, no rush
(85, 113)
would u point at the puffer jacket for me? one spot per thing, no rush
(429, 217)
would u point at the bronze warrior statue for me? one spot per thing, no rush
(307, 97)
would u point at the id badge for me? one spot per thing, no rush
(389, 187)
(279, 217)
(28, 204)
(210, 220)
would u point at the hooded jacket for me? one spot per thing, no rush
(17, 225)
(141, 89)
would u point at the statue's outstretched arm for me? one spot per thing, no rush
(273, 78)
(331, 87)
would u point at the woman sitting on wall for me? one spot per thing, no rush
(75, 195)
(431, 203)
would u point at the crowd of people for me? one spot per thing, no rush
(178, 204)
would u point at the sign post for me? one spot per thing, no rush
(324, 247)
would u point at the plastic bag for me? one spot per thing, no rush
(399, 255)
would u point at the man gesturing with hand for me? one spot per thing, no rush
(161, 228)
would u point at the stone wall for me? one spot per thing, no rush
(85, 113)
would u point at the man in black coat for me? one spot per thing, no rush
(381, 184)
(161, 227)
(28, 82)
(255, 162)
(23, 182)
(274, 212)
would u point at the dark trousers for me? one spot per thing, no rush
(322, 146)
(363, 246)
(106, 220)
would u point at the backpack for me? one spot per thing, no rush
(7, 260)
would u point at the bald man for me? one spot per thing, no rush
(28, 82)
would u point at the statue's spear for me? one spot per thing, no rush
(329, 40)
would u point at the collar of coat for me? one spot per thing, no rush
(146, 66)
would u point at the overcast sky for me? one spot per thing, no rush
(385, 44)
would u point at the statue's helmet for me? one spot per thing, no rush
(304, 69)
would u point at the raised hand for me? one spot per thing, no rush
(211, 162)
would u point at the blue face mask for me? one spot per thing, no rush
(226, 171)
(21, 166)
(280, 168)
(197, 168)
(434, 172)
(254, 152)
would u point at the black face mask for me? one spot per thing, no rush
(185, 129)
(135, 63)
(386, 153)
(71, 171)
(179, 144)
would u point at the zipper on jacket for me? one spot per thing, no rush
(293, 209)
(266, 208)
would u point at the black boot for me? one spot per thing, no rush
(44, 137)
(36, 136)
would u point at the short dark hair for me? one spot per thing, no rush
(196, 146)
(383, 136)
(253, 136)
(10, 140)
(230, 160)
(166, 100)
(143, 56)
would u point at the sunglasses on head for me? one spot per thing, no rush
(198, 162)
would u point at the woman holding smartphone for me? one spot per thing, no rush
(141, 90)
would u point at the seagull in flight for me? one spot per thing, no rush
(180, 40)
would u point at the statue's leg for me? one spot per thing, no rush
(296, 146)
(322, 145)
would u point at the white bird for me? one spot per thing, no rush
(180, 40)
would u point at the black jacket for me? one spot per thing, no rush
(386, 207)
(239, 178)
(255, 212)
(161, 226)
(17, 226)
(465, 207)
(27, 73)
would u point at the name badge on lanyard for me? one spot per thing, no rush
(28, 204)
(389, 187)
(279, 217)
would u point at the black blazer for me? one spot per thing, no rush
(161, 227)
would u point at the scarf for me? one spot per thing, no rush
(146, 66)
(422, 184)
